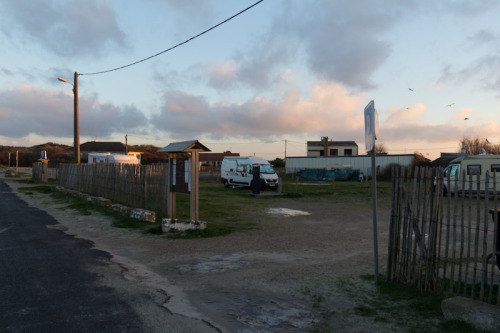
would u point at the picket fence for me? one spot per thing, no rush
(138, 186)
(445, 243)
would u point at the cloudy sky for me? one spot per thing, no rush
(283, 73)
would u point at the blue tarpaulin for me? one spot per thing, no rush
(323, 174)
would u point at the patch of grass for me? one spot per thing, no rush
(340, 191)
(365, 311)
(87, 208)
(389, 306)
(211, 230)
(12, 174)
(44, 189)
(228, 210)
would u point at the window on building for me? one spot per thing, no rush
(334, 152)
(347, 152)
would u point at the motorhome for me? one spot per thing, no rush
(112, 158)
(238, 172)
(472, 165)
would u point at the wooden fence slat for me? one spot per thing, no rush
(485, 236)
(462, 233)
(392, 226)
(476, 242)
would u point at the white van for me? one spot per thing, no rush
(472, 165)
(112, 158)
(237, 171)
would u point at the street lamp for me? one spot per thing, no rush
(76, 131)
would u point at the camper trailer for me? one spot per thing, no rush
(112, 158)
(472, 165)
(237, 171)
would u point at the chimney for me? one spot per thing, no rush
(326, 151)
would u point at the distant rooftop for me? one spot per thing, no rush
(332, 143)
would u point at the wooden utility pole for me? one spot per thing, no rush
(126, 144)
(76, 130)
(285, 153)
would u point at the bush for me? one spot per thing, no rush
(386, 173)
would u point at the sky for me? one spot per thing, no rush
(263, 83)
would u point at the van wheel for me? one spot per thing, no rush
(226, 183)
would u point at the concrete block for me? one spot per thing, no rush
(167, 225)
(103, 202)
(125, 210)
(115, 207)
(481, 315)
(142, 214)
(85, 196)
(120, 208)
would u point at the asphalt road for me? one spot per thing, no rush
(46, 280)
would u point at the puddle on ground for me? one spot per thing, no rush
(256, 312)
(216, 264)
(286, 212)
(276, 315)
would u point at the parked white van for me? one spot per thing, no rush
(472, 165)
(237, 171)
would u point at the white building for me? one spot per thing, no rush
(332, 148)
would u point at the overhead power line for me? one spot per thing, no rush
(175, 46)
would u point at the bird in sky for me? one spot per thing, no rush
(410, 89)
(450, 105)
(466, 118)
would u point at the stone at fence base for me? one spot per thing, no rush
(85, 196)
(481, 315)
(120, 208)
(142, 214)
(167, 225)
(103, 202)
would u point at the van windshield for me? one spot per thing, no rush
(451, 170)
(266, 168)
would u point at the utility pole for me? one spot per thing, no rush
(126, 144)
(76, 126)
(285, 152)
(76, 121)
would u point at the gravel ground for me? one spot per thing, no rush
(283, 277)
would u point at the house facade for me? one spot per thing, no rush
(214, 159)
(332, 148)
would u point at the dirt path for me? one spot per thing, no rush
(267, 280)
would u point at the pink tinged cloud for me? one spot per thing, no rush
(330, 108)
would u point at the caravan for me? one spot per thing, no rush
(472, 165)
(237, 171)
(112, 158)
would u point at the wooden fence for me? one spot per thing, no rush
(41, 172)
(444, 243)
(138, 186)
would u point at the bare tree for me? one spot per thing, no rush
(475, 146)
(380, 148)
